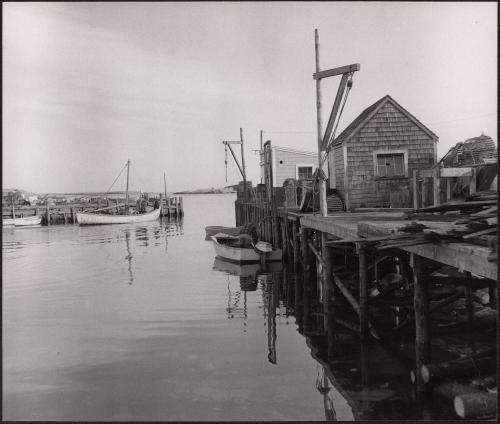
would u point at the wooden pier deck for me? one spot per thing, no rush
(343, 250)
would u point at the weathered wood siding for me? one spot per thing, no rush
(389, 129)
(286, 162)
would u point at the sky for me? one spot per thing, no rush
(88, 86)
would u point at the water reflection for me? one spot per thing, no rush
(129, 257)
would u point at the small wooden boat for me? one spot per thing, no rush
(25, 221)
(214, 229)
(240, 254)
(94, 218)
(88, 218)
(244, 270)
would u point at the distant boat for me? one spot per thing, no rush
(214, 229)
(93, 218)
(88, 218)
(25, 221)
(240, 254)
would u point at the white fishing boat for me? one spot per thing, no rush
(25, 221)
(88, 218)
(224, 250)
(94, 218)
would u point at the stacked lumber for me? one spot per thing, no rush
(472, 221)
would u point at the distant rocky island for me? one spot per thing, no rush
(223, 190)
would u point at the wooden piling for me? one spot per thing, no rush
(295, 237)
(73, 215)
(421, 306)
(47, 214)
(363, 290)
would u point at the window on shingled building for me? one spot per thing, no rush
(390, 165)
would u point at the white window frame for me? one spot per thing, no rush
(404, 152)
(303, 165)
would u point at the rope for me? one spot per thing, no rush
(116, 179)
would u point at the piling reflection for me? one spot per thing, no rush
(355, 374)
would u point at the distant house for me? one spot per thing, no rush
(371, 162)
(289, 163)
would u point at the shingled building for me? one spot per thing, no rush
(371, 162)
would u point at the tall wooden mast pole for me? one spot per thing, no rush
(260, 154)
(126, 192)
(165, 186)
(243, 167)
(322, 182)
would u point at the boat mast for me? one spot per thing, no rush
(126, 193)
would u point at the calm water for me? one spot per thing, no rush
(141, 322)
(132, 322)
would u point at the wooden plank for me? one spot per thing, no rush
(456, 172)
(463, 256)
(480, 233)
(336, 71)
(452, 206)
(335, 109)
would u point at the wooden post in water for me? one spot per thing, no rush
(295, 238)
(13, 211)
(48, 213)
(181, 206)
(363, 289)
(73, 215)
(421, 305)
(327, 277)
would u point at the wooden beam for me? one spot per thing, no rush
(335, 110)
(437, 188)
(317, 254)
(456, 172)
(415, 189)
(336, 71)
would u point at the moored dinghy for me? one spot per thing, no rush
(224, 249)
(212, 230)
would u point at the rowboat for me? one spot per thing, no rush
(25, 221)
(88, 218)
(214, 229)
(240, 254)
(244, 270)
(94, 218)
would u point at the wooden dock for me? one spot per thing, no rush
(341, 249)
(65, 213)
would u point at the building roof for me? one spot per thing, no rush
(369, 112)
(300, 152)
